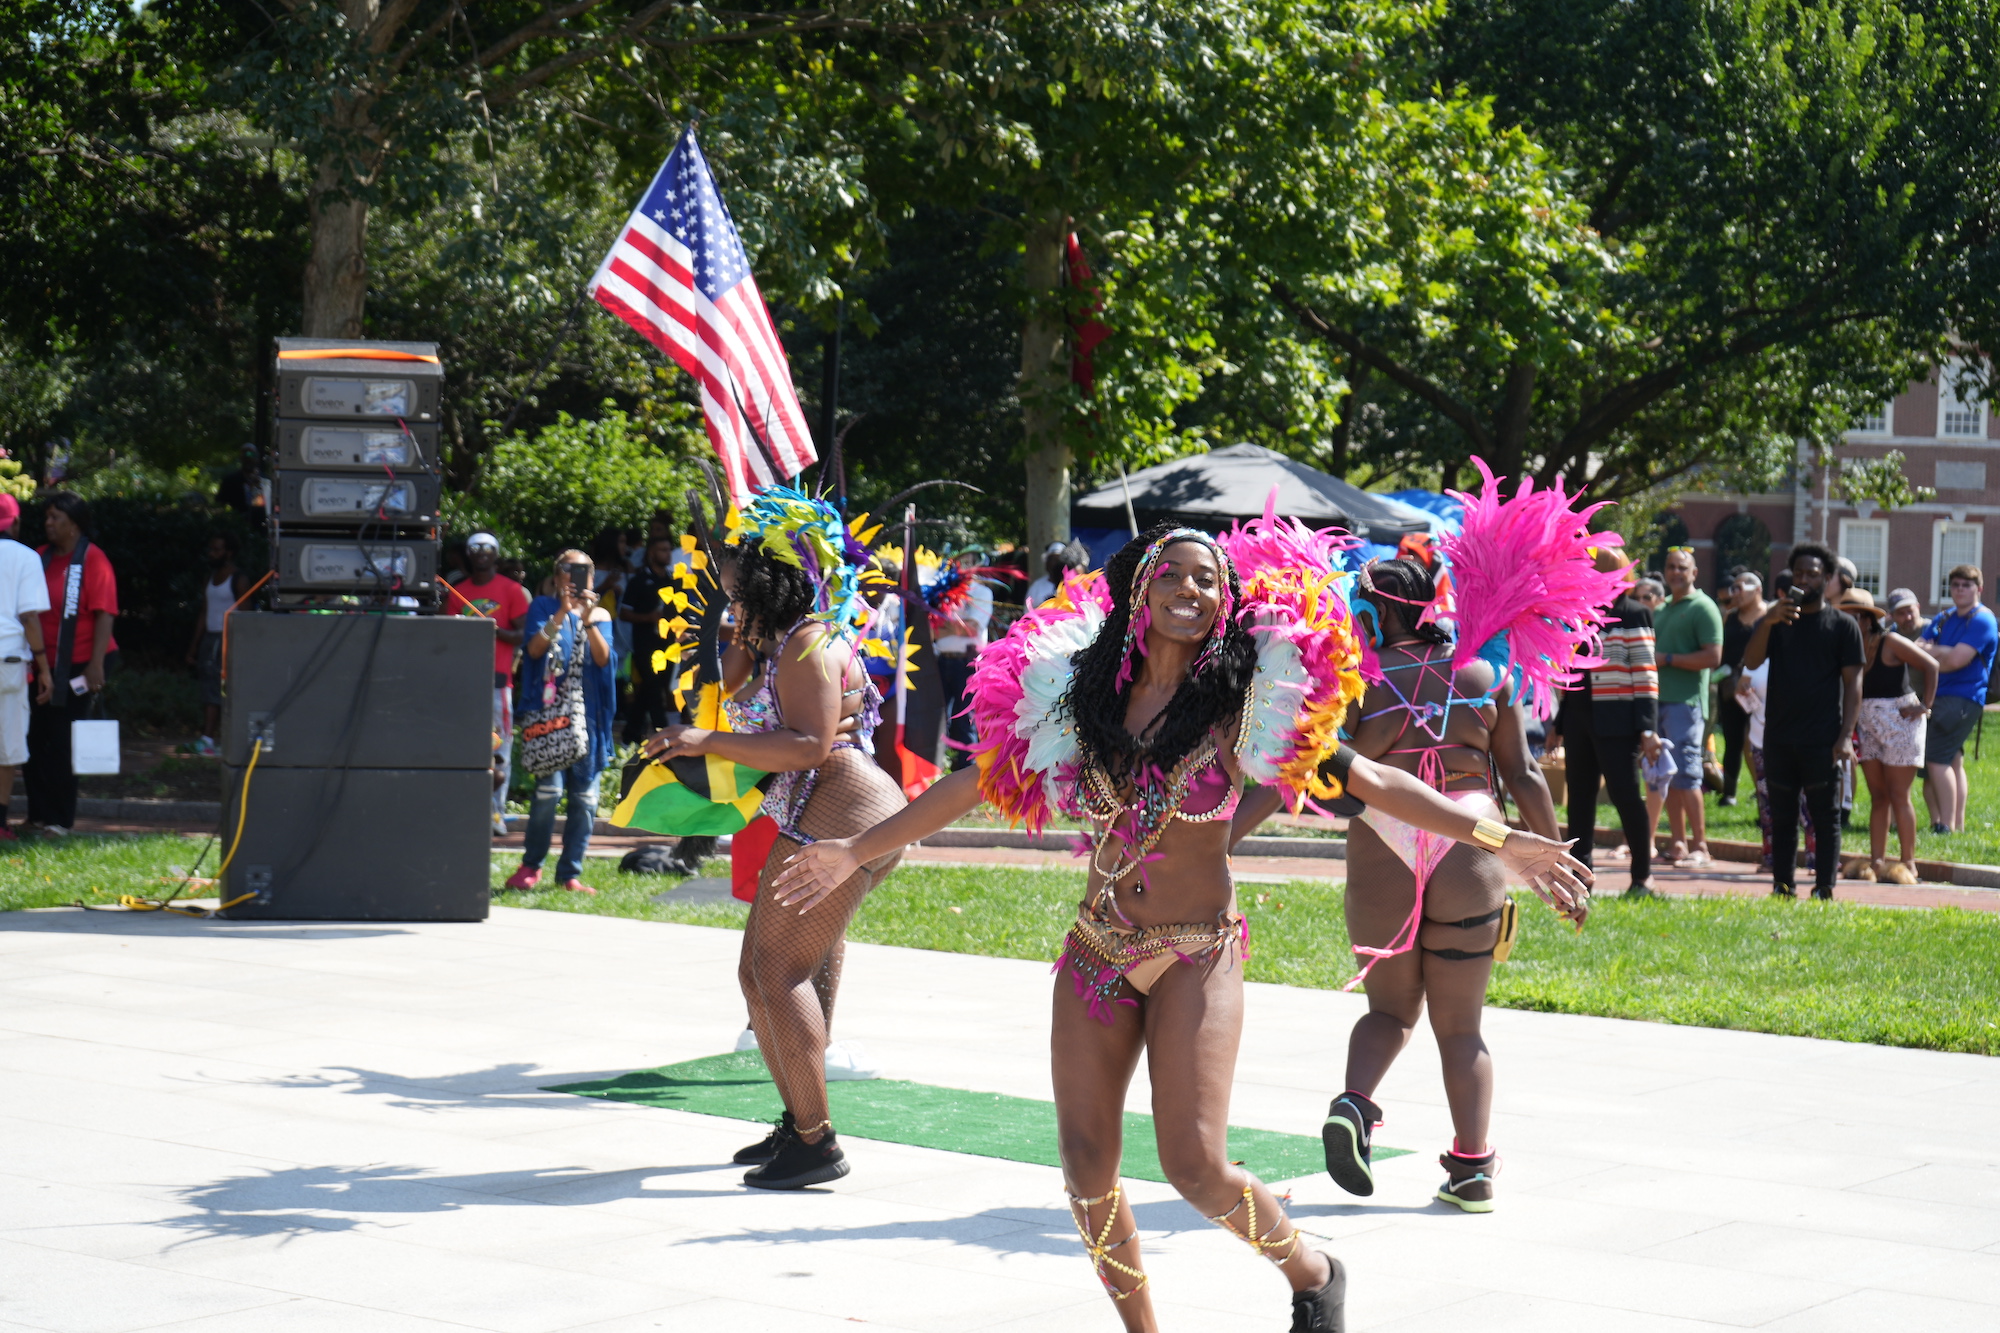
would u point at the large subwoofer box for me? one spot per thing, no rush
(359, 844)
(371, 797)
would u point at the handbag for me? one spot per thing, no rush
(93, 742)
(556, 735)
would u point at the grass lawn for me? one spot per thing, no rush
(1901, 977)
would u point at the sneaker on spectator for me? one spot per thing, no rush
(1697, 859)
(524, 878)
(574, 885)
(205, 748)
(53, 831)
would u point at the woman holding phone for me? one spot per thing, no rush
(565, 630)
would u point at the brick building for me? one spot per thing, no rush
(1950, 444)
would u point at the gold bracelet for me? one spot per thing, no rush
(1491, 833)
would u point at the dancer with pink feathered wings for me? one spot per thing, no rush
(1453, 663)
(1139, 702)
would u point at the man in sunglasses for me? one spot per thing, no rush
(1687, 634)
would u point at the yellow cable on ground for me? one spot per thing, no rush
(137, 904)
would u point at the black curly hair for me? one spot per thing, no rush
(773, 596)
(1206, 699)
(1408, 586)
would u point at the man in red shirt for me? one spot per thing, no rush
(90, 603)
(489, 593)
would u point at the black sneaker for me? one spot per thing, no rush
(1323, 1310)
(799, 1164)
(1823, 895)
(1468, 1181)
(1783, 891)
(1350, 1125)
(765, 1149)
(1639, 891)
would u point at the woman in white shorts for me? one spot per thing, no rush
(1890, 734)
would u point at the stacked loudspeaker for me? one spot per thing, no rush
(354, 503)
(356, 732)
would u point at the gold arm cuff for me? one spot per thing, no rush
(1491, 833)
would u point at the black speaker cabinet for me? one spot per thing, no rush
(359, 844)
(356, 497)
(332, 446)
(336, 562)
(352, 379)
(359, 691)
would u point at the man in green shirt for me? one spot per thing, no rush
(1687, 636)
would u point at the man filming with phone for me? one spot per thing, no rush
(1813, 700)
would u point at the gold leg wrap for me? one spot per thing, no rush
(803, 1130)
(1095, 1246)
(1263, 1244)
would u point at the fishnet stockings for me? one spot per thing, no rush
(790, 966)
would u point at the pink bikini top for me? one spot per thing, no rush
(1209, 792)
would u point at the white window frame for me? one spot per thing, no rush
(1851, 528)
(1866, 423)
(1971, 416)
(1940, 594)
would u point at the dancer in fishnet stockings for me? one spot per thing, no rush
(1148, 743)
(803, 709)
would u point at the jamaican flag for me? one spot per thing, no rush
(697, 795)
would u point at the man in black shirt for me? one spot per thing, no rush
(1813, 698)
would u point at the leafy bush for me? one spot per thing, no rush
(569, 481)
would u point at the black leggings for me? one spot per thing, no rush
(1615, 759)
(1734, 724)
(1788, 771)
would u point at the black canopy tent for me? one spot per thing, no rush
(1214, 489)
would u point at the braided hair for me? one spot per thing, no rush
(1207, 698)
(773, 596)
(1405, 587)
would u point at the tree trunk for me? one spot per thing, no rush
(336, 288)
(1044, 368)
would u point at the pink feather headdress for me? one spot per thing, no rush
(1526, 591)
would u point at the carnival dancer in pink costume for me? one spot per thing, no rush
(1139, 702)
(1427, 916)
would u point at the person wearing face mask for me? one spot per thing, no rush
(221, 589)
(83, 596)
(1812, 702)
(1140, 704)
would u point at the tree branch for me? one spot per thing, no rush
(1448, 407)
(542, 73)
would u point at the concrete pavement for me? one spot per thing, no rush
(217, 1126)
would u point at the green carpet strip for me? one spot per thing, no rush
(984, 1124)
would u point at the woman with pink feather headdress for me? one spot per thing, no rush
(1139, 702)
(1430, 916)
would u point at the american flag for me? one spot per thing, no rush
(679, 275)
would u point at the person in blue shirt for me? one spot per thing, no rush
(1963, 641)
(562, 633)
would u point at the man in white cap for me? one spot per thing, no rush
(24, 595)
(489, 593)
